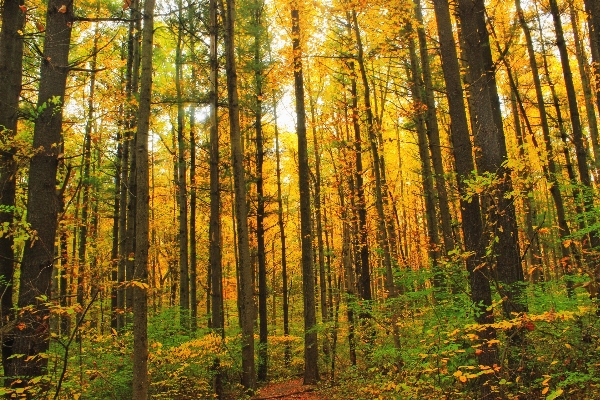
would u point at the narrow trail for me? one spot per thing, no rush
(290, 389)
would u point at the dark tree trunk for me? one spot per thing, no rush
(246, 287)
(11, 60)
(216, 272)
(433, 135)
(470, 212)
(193, 203)
(577, 132)
(42, 205)
(184, 282)
(260, 200)
(132, 91)
(489, 139)
(86, 185)
(284, 274)
(380, 192)
(553, 170)
(311, 351)
(584, 74)
(428, 188)
(140, 290)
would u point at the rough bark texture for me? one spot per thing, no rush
(184, 281)
(246, 287)
(215, 194)
(463, 154)
(433, 135)
(311, 351)
(489, 139)
(260, 204)
(11, 60)
(140, 291)
(43, 204)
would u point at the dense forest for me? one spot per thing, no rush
(199, 198)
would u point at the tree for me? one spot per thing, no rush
(11, 60)
(489, 139)
(140, 284)
(311, 351)
(470, 211)
(246, 291)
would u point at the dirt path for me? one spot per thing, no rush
(292, 389)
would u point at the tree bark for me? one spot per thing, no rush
(42, 205)
(433, 247)
(311, 351)
(184, 282)
(260, 197)
(489, 139)
(553, 170)
(11, 61)
(246, 287)
(140, 290)
(433, 135)
(470, 211)
(577, 132)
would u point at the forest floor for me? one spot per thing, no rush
(289, 389)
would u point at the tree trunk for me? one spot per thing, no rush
(11, 60)
(311, 351)
(433, 134)
(377, 163)
(428, 188)
(132, 91)
(86, 184)
(260, 199)
(184, 283)
(576, 130)
(489, 139)
(245, 301)
(553, 170)
(584, 74)
(193, 261)
(470, 212)
(284, 274)
(42, 204)
(140, 290)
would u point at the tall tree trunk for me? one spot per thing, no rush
(86, 183)
(311, 351)
(428, 188)
(433, 134)
(553, 170)
(132, 91)
(592, 8)
(11, 61)
(260, 198)
(184, 283)
(140, 293)
(584, 75)
(284, 274)
(245, 301)
(42, 203)
(193, 203)
(470, 211)
(576, 130)
(489, 139)
(380, 191)
(216, 270)
(319, 220)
